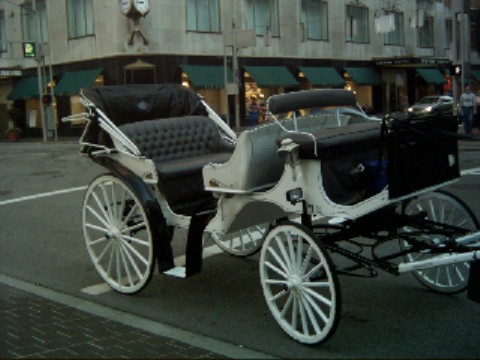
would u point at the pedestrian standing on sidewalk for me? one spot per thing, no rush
(468, 108)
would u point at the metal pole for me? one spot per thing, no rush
(462, 46)
(236, 80)
(50, 69)
(39, 71)
(225, 77)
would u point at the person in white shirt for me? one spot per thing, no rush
(468, 108)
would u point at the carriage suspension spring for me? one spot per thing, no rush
(363, 262)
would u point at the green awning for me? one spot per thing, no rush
(364, 76)
(207, 77)
(476, 74)
(432, 76)
(322, 76)
(271, 76)
(72, 82)
(26, 88)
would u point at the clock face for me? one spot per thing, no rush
(125, 6)
(142, 6)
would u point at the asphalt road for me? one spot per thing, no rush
(41, 242)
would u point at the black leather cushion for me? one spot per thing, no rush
(180, 148)
(339, 141)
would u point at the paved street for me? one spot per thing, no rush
(54, 305)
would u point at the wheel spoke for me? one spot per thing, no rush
(284, 254)
(101, 206)
(107, 202)
(129, 216)
(277, 270)
(311, 315)
(104, 251)
(315, 307)
(291, 250)
(136, 240)
(315, 269)
(279, 261)
(98, 217)
(95, 227)
(306, 261)
(125, 264)
(97, 241)
(132, 261)
(135, 252)
(287, 304)
(278, 295)
(139, 226)
(319, 297)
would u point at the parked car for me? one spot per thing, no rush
(339, 116)
(432, 105)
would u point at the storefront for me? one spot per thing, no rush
(320, 77)
(410, 79)
(363, 81)
(261, 82)
(209, 82)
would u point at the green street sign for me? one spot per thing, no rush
(29, 50)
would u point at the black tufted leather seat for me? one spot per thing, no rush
(180, 148)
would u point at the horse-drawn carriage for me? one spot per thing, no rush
(299, 191)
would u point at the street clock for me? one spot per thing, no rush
(134, 10)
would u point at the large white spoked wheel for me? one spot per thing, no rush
(444, 208)
(118, 235)
(242, 243)
(299, 283)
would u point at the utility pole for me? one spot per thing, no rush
(38, 59)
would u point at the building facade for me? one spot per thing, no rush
(387, 51)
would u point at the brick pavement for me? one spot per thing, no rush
(35, 327)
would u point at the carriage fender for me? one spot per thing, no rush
(161, 233)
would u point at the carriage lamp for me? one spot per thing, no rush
(295, 195)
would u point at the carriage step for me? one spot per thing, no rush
(474, 281)
(179, 272)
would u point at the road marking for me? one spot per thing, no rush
(474, 171)
(102, 288)
(42, 195)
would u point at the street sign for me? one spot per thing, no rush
(29, 49)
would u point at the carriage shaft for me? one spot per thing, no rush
(439, 261)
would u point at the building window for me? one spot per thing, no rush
(3, 38)
(425, 33)
(357, 24)
(29, 25)
(80, 18)
(203, 15)
(396, 37)
(262, 16)
(448, 33)
(314, 17)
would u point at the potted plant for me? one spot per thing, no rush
(14, 134)
(15, 118)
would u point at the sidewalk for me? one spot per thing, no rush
(35, 327)
(41, 323)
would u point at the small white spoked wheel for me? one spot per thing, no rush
(242, 243)
(118, 235)
(299, 283)
(444, 208)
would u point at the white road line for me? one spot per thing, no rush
(474, 171)
(38, 196)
